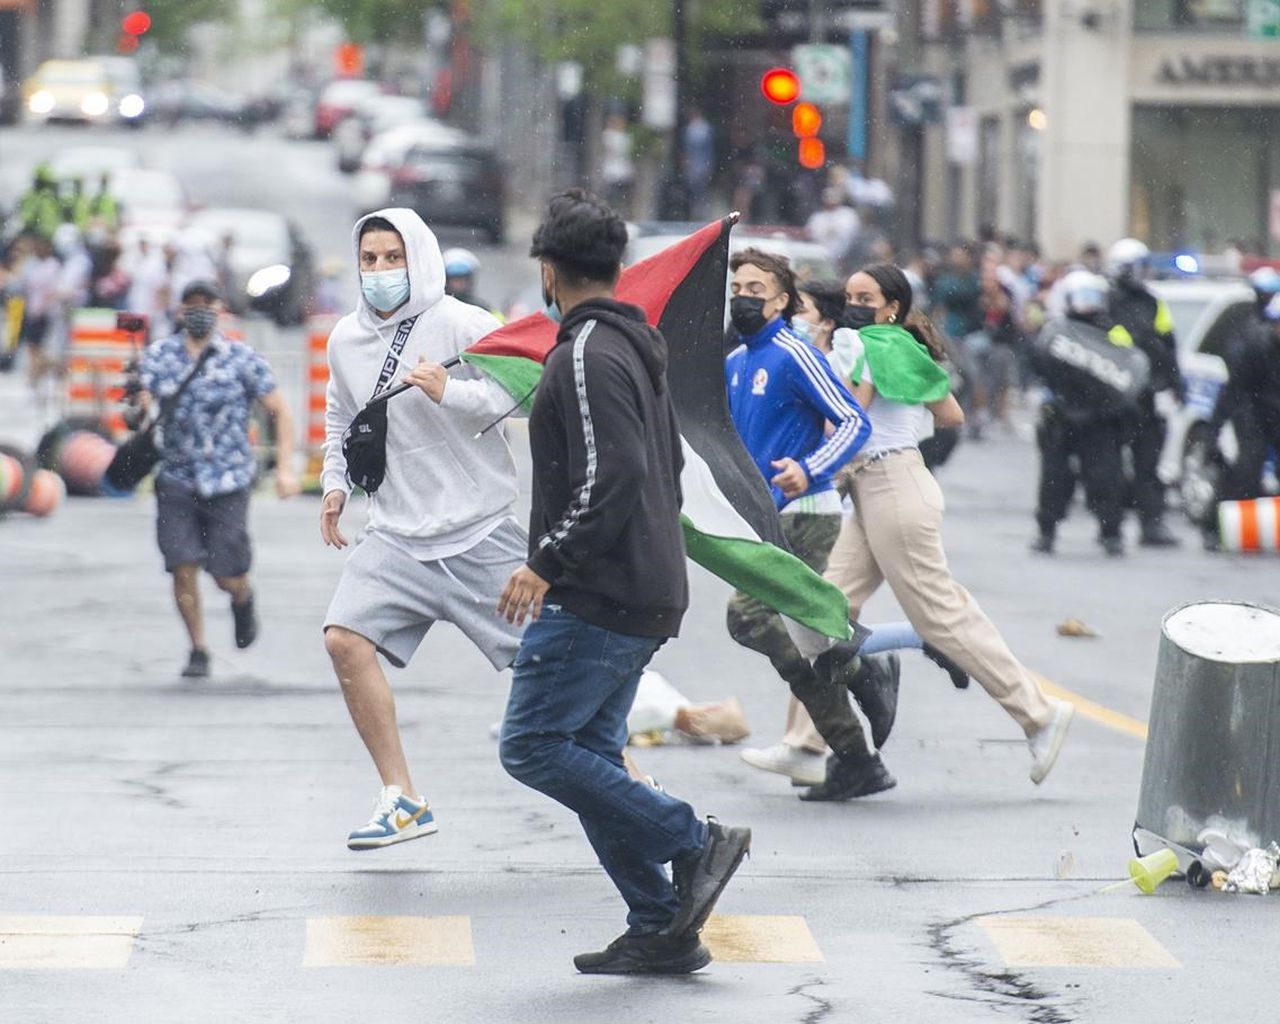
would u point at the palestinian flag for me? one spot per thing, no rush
(730, 523)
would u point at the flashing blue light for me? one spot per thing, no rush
(1186, 263)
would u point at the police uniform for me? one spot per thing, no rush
(1150, 324)
(1088, 430)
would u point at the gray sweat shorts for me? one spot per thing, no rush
(391, 599)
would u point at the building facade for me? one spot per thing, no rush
(1070, 121)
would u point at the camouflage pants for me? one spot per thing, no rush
(758, 627)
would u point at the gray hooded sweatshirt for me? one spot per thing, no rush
(445, 489)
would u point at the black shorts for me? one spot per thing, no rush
(210, 532)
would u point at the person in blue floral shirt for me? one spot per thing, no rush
(207, 466)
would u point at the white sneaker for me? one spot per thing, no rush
(802, 766)
(1048, 741)
(396, 819)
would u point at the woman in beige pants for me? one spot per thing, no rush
(896, 535)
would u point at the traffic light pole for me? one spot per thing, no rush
(674, 200)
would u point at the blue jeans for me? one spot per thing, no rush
(563, 734)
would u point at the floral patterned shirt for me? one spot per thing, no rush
(204, 442)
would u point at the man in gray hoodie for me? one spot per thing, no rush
(442, 538)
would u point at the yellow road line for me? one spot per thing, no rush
(1075, 942)
(761, 939)
(389, 941)
(1095, 712)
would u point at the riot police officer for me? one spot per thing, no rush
(1095, 375)
(1148, 321)
(1250, 401)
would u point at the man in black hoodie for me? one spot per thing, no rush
(605, 587)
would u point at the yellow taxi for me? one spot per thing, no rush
(69, 90)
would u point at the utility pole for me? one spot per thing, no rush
(674, 201)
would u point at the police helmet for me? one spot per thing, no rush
(1084, 293)
(460, 263)
(1127, 258)
(1265, 281)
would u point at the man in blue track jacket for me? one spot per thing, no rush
(783, 394)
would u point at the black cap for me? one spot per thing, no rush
(202, 286)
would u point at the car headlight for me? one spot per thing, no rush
(41, 101)
(266, 279)
(95, 104)
(132, 106)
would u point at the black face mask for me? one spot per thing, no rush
(859, 317)
(746, 312)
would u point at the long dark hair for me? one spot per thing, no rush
(896, 287)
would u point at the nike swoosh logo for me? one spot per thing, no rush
(404, 820)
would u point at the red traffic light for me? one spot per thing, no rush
(806, 120)
(813, 154)
(780, 86)
(136, 23)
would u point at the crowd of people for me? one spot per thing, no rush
(833, 389)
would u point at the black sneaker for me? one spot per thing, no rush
(959, 677)
(1043, 545)
(848, 778)
(246, 622)
(700, 880)
(1156, 534)
(647, 954)
(1113, 546)
(875, 687)
(197, 664)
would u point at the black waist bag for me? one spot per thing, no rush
(364, 445)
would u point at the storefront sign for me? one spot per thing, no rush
(1211, 70)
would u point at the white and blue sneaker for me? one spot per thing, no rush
(396, 819)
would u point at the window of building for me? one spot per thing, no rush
(1184, 195)
(1196, 15)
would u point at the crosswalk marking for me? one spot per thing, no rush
(1075, 942)
(761, 939)
(389, 941)
(63, 943)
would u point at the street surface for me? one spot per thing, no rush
(189, 836)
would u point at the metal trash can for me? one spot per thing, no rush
(1213, 749)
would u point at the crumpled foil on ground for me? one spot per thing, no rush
(1255, 871)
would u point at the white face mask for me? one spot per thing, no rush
(806, 329)
(385, 290)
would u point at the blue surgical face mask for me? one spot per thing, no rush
(805, 329)
(550, 310)
(385, 290)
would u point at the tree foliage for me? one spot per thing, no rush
(378, 21)
(171, 19)
(591, 31)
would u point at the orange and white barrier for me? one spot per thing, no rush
(95, 368)
(316, 384)
(1252, 525)
(25, 488)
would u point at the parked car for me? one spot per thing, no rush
(455, 184)
(387, 151)
(153, 203)
(185, 100)
(69, 90)
(373, 116)
(128, 98)
(272, 266)
(338, 99)
(1207, 315)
